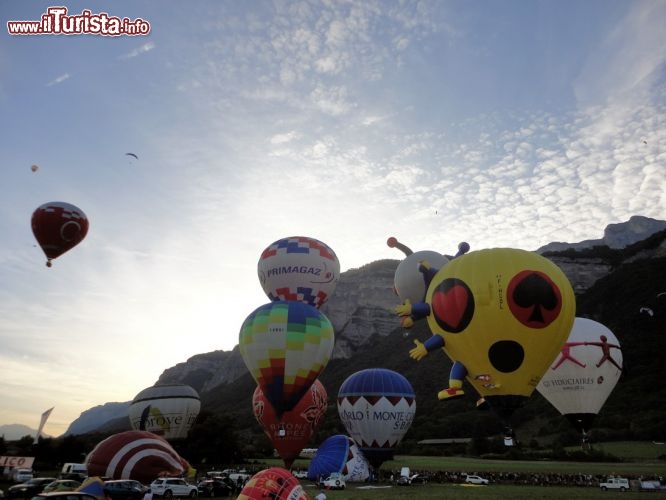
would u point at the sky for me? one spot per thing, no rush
(503, 123)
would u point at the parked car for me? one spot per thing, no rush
(169, 487)
(29, 488)
(300, 474)
(61, 485)
(65, 495)
(334, 481)
(419, 478)
(21, 475)
(472, 479)
(124, 489)
(403, 481)
(219, 487)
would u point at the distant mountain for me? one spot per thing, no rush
(616, 236)
(13, 432)
(607, 281)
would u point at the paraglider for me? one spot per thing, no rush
(274, 483)
(166, 410)
(285, 346)
(138, 455)
(132, 155)
(501, 315)
(339, 453)
(377, 407)
(299, 268)
(291, 432)
(58, 227)
(583, 374)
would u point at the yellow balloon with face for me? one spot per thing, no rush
(504, 314)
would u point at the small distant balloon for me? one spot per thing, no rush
(34, 168)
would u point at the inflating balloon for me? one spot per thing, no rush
(274, 483)
(165, 410)
(291, 432)
(501, 315)
(339, 453)
(583, 374)
(285, 346)
(377, 407)
(409, 284)
(58, 227)
(138, 455)
(299, 268)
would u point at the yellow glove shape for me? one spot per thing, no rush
(404, 309)
(419, 352)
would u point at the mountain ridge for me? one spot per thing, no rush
(361, 313)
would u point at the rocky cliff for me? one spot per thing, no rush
(363, 302)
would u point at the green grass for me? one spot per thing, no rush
(455, 492)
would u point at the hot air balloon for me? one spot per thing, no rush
(501, 315)
(285, 346)
(583, 374)
(377, 407)
(291, 432)
(138, 455)
(339, 453)
(274, 483)
(34, 168)
(408, 283)
(166, 410)
(58, 227)
(299, 268)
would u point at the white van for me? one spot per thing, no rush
(74, 471)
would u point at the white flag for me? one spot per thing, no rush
(42, 422)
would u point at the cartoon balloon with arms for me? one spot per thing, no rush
(299, 268)
(58, 227)
(285, 346)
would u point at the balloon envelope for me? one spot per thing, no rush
(58, 227)
(339, 453)
(166, 410)
(299, 268)
(581, 378)
(377, 407)
(285, 346)
(504, 314)
(138, 455)
(274, 483)
(34, 168)
(291, 432)
(408, 281)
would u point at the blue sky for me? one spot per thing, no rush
(501, 123)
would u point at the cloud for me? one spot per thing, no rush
(146, 47)
(58, 80)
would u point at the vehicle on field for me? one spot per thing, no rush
(334, 481)
(21, 475)
(300, 474)
(29, 488)
(169, 487)
(124, 489)
(218, 487)
(403, 481)
(474, 479)
(615, 483)
(61, 485)
(74, 471)
(419, 479)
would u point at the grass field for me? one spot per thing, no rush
(455, 492)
